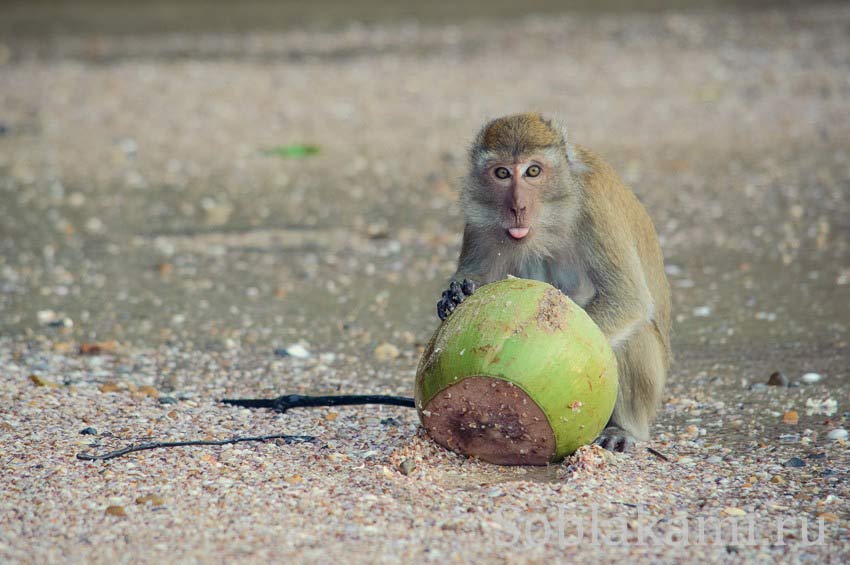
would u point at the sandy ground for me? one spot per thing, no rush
(139, 210)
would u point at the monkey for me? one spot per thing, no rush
(537, 206)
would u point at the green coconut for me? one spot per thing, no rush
(517, 375)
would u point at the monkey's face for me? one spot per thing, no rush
(517, 186)
(509, 195)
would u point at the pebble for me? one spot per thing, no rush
(168, 400)
(148, 390)
(826, 406)
(39, 381)
(702, 311)
(151, 499)
(715, 459)
(407, 467)
(53, 319)
(791, 417)
(115, 511)
(811, 378)
(88, 432)
(297, 350)
(386, 352)
(837, 434)
(733, 511)
(46, 317)
(794, 462)
(777, 379)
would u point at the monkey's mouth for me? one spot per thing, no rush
(518, 233)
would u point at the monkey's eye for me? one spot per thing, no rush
(502, 173)
(533, 171)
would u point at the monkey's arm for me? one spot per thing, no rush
(623, 301)
(466, 279)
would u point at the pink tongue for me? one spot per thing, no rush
(518, 233)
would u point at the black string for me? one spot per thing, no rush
(289, 401)
(288, 439)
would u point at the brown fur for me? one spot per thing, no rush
(518, 134)
(591, 238)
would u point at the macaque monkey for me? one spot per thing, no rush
(539, 207)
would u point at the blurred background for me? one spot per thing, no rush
(257, 174)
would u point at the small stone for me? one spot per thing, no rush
(386, 352)
(733, 511)
(837, 434)
(294, 479)
(702, 311)
(828, 516)
(495, 493)
(791, 417)
(331, 416)
(39, 381)
(297, 350)
(794, 462)
(88, 432)
(389, 421)
(168, 400)
(148, 391)
(151, 499)
(715, 459)
(811, 378)
(60, 322)
(777, 379)
(115, 511)
(777, 480)
(407, 467)
(109, 387)
(826, 406)
(46, 317)
(98, 348)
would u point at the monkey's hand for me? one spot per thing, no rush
(615, 438)
(452, 297)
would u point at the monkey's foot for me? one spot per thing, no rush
(452, 297)
(614, 438)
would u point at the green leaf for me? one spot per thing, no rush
(296, 151)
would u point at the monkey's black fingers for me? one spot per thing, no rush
(457, 293)
(468, 287)
(615, 439)
(452, 297)
(288, 401)
(446, 305)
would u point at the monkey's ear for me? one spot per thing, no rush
(575, 162)
(573, 159)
